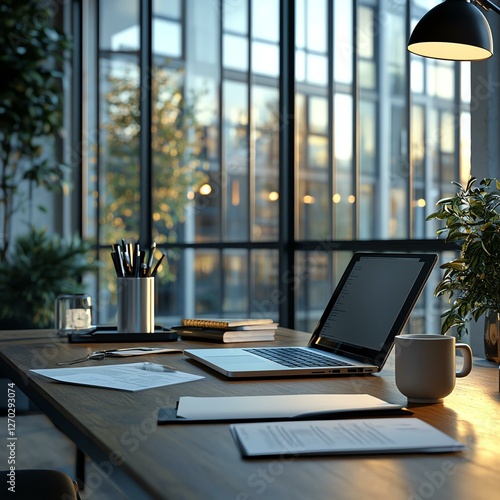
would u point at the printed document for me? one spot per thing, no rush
(356, 436)
(127, 377)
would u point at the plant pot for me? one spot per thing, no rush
(492, 337)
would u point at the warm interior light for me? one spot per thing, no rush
(235, 193)
(205, 189)
(336, 198)
(454, 30)
(273, 196)
(308, 199)
(450, 51)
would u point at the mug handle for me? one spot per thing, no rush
(467, 355)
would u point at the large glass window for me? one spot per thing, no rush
(183, 126)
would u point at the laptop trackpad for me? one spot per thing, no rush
(237, 361)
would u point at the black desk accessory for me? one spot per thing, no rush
(169, 416)
(110, 334)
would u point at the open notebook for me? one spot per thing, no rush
(369, 307)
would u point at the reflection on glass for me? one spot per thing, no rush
(343, 42)
(265, 20)
(216, 123)
(207, 291)
(300, 65)
(318, 116)
(176, 173)
(265, 284)
(318, 272)
(399, 200)
(366, 40)
(417, 75)
(398, 145)
(266, 123)
(265, 59)
(235, 181)
(447, 147)
(317, 152)
(167, 8)
(235, 17)
(120, 151)
(317, 69)
(170, 285)
(314, 203)
(343, 181)
(235, 286)
(396, 25)
(366, 48)
(343, 133)
(167, 38)
(418, 142)
(465, 147)
(440, 78)
(235, 53)
(368, 139)
(311, 28)
(465, 82)
(315, 20)
(119, 26)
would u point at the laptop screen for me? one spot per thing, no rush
(372, 304)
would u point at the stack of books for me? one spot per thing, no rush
(229, 330)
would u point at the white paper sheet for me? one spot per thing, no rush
(357, 436)
(279, 406)
(127, 377)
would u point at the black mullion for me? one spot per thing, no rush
(97, 90)
(330, 131)
(77, 106)
(146, 113)
(287, 161)
(409, 128)
(250, 157)
(356, 122)
(222, 204)
(457, 120)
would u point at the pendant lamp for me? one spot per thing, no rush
(455, 30)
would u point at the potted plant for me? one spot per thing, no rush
(40, 268)
(472, 281)
(34, 266)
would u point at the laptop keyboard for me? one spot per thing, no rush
(294, 357)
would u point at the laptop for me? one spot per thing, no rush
(369, 307)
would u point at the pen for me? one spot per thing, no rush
(151, 257)
(158, 264)
(137, 261)
(130, 261)
(120, 262)
(153, 367)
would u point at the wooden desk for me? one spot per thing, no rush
(118, 431)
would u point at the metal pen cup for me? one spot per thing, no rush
(136, 310)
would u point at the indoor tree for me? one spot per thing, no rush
(31, 118)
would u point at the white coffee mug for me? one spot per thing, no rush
(425, 366)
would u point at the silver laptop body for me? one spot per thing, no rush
(369, 307)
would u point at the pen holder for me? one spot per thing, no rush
(136, 310)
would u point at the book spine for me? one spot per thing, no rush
(224, 338)
(204, 323)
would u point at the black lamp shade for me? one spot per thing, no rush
(454, 30)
